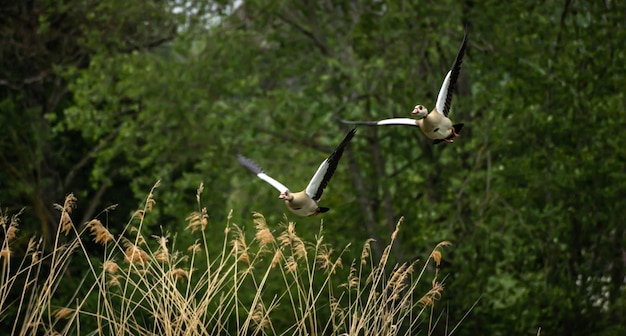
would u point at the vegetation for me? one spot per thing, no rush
(145, 285)
(101, 99)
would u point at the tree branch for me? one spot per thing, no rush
(307, 33)
(27, 81)
(95, 200)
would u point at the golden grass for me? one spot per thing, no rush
(147, 285)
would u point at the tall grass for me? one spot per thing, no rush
(274, 284)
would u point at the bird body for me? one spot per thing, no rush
(437, 125)
(304, 203)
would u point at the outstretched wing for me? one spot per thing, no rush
(444, 99)
(260, 173)
(319, 181)
(397, 121)
(385, 122)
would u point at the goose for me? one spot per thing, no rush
(303, 203)
(435, 125)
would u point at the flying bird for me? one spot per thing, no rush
(435, 125)
(303, 203)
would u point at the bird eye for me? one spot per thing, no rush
(297, 208)
(436, 129)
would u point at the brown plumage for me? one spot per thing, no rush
(304, 203)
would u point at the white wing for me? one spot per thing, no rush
(317, 179)
(443, 94)
(327, 168)
(397, 121)
(279, 186)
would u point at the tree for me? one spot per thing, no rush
(41, 161)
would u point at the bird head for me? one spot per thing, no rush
(420, 111)
(286, 195)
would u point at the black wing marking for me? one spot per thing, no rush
(366, 123)
(250, 165)
(454, 75)
(322, 176)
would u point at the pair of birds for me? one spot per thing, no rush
(435, 125)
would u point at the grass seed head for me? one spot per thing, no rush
(436, 253)
(138, 214)
(432, 295)
(5, 253)
(195, 248)
(110, 267)
(134, 254)
(289, 239)
(291, 265)
(70, 203)
(66, 223)
(263, 233)
(63, 313)
(353, 279)
(179, 273)
(323, 257)
(114, 281)
(277, 257)
(199, 191)
(240, 248)
(198, 220)
(367, 249)
(12, 230)
(100, 233)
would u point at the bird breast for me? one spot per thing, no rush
(435, 126)
(301, 204)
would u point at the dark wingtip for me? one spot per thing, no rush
(344, 142)
(252, 166)
(364, 123)
(322, 209)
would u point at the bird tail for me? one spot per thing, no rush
(457, 130)
(322, 209)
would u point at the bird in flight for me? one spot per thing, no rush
(303, 203)
(436, 125)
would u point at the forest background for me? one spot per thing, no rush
(104, 98)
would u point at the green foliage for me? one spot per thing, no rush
(531, 194)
